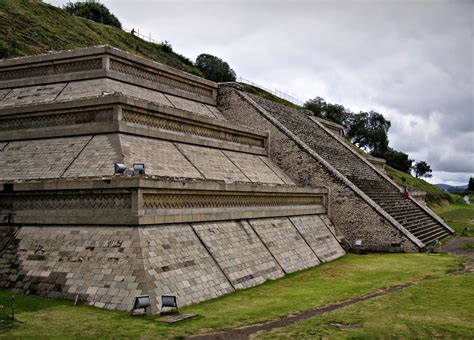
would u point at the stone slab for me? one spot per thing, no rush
(285, 243)
(239, 252)
(212, 163)
(31, 95)
(318, 236)
(161, 158)
(94, 88)
(180, 265)
(45, 158)
(191, 106)
(284, 177)
(98, 157)
(253, 167)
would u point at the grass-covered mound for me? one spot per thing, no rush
(30, 27)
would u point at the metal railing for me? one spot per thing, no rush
(137, 33)
(278, 93)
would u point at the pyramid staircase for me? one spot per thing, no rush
(380, 190)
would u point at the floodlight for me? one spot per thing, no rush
(138, 169)
(119, 168)
(359, 248)
(141, 302)
(169, 301)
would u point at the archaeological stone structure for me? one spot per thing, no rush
(213, 211)
(365, 204)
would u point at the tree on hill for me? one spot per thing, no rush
(396, 159)
(470, 186)
(93, 10)
(333, 112)
(214, 68)
(422, 169)
(368, 130)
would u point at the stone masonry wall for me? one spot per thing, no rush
(351, 214)
(107, 266)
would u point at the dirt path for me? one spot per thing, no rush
(245, 332)
(457, 246)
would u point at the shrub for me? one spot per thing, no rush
(93, 10)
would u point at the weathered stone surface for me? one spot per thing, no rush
(239, 252)
(318, 236)
(253, 167)
(161, 158)
(45, 158)
(191, 106)
(96, 87)
(180, 265)
(99, 265)
(32, 95)
(285, 243)
(97, 158)
(212, 163)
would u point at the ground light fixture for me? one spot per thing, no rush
(168, 301)
(359, 247)
(141, 302)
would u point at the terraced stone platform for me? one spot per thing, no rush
(212, 213)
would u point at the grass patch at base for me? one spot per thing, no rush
(457, 216)
(342, 279)
(439, 308)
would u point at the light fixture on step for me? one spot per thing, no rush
(141, 302)
(119, 168)
(138, 169)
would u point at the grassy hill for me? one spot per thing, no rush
(33, 27)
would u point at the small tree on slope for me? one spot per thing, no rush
(422, 169)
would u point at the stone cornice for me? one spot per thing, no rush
(145, 201)
(119, 113)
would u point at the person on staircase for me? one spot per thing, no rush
(406, 193)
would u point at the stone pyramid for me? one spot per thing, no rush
(212, 213)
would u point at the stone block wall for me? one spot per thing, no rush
(107, 266)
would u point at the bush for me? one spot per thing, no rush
(93, 10)
(214, 68)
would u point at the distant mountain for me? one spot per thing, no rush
(451, 188)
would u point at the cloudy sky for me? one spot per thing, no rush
(412, 61)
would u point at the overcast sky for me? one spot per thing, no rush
(412, 61)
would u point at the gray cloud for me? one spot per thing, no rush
(410, 60)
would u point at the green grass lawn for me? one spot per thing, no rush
(457, 216)
(342, 279)
(439, 308)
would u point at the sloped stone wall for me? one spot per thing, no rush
(108, 266)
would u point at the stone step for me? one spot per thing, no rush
(410, 219)
(429, 233)
(413, 225)
(428, 239)
(420, 230)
